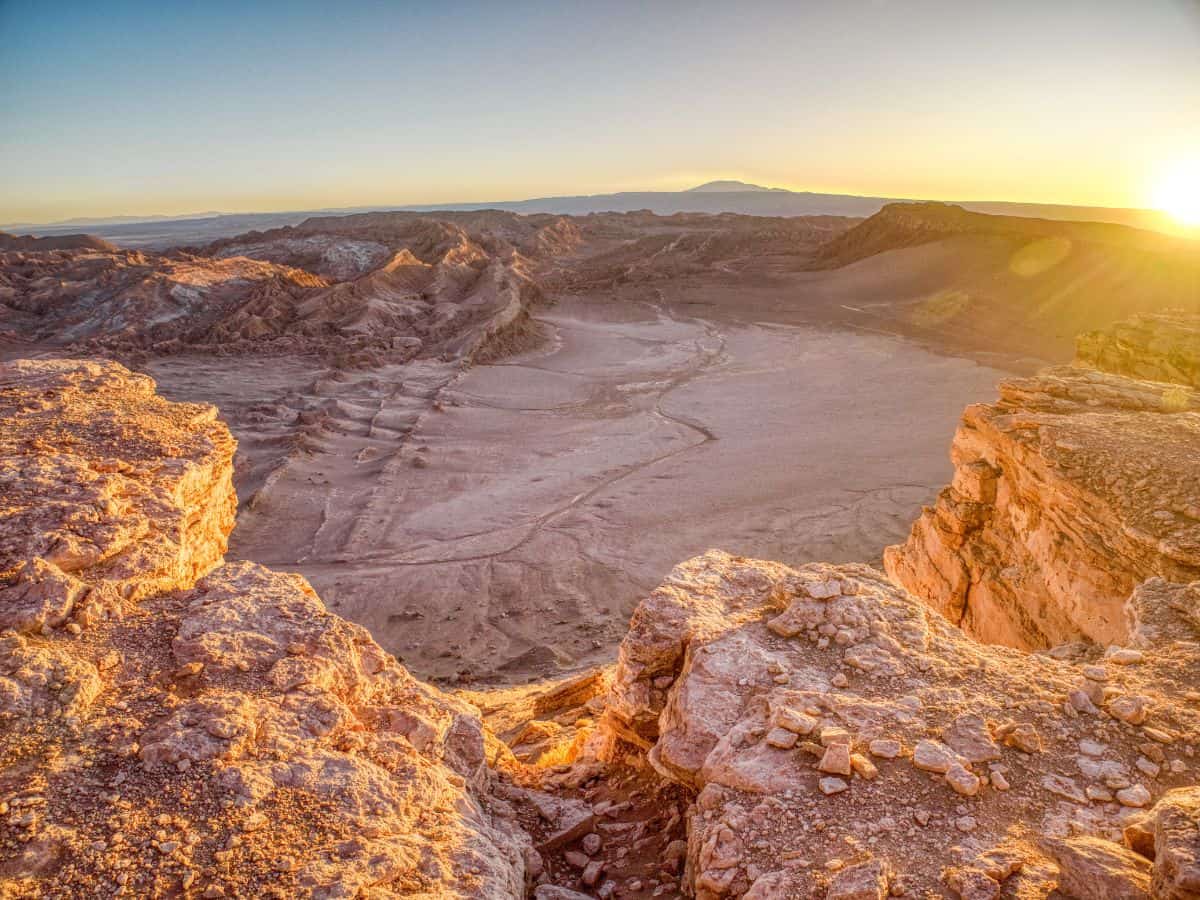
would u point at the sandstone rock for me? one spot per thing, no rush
(293, 732)
(1090, 867)
(830, 786)
(1064, 449)
(885, 749)
(700, 733)
(963, 781)
(865, 881)
(836, 760)
(1136, 796)
(1129, 709)
(797, 722)
(930, 756)
(969, 737)
(781, 737)
(863, 767)
(1175, 820)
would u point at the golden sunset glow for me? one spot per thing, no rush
(1178, 192)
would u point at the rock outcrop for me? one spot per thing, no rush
(381, 290)
(1068, 491)
(842, 737)
(1162, 347)
(844, 740)
(177, 726)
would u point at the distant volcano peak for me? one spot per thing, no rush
(729, 187)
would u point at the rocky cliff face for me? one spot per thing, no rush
(178, 726)
(1068, 491)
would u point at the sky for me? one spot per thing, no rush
(143, 108)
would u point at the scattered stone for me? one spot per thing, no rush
(863, 767)
(1129, 708)
(963, 781)
(832, 786)
(834, 735)
(885, 748)
(836, 760)
(968, 736)
(864, 881)
(793, 721)
(930, 756)
(782, 738)
(1136, 796)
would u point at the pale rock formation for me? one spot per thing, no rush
(977, 746)
(1069, 490)
(172, 725)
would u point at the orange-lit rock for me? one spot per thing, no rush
(1069, 490)
(172, 724)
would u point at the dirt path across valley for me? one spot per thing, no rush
(500, 523)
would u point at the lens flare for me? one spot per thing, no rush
(1178, 193)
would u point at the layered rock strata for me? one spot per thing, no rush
(177, 726)
(1069, 490)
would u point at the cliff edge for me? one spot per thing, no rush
(177, 725)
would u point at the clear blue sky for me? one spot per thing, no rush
(173, 107)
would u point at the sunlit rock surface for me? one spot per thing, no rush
(1162, 347)
(1069, 490)
(845, 740)
(172, 725)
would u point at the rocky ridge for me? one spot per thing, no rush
(358, 295)
(900, 225)
(178, 725)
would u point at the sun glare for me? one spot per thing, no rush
(1178, 192)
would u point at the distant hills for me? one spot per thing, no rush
(714, 197)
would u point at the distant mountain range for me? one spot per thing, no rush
(158, 232)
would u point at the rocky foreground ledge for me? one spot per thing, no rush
(846, 741)
(172, 725)
(179, 726)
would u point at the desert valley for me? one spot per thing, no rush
(600, 451)
(483, 441)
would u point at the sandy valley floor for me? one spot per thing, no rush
(509, 531)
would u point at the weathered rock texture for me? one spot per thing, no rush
(1068, 491)
(1163, 347)
(381, 288)
(175, 726)
(845, 740)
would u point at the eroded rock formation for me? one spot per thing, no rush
(1068, 491)
(174, 725)
(845, 740)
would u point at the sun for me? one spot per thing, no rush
(1178, 192)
